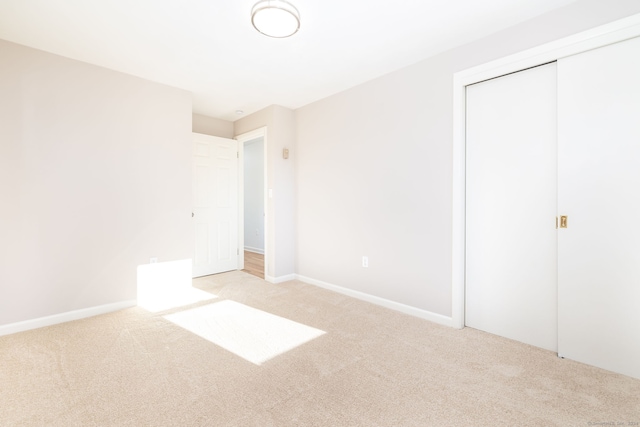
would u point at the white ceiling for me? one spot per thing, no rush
(209, 47)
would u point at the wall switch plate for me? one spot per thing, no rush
(365, 261)
(153, 260)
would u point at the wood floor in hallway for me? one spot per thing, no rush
(254, 264)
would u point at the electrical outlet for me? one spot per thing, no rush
(153, 260)
(365, 261)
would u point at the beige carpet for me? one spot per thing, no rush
(362, 365)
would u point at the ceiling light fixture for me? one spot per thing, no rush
(275, 18)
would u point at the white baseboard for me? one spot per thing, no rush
(406, 309)
(55, 319)
(280, 279)
(254, 250)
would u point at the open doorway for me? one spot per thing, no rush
(253, 177)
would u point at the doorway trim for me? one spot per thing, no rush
(603, 35)
(242, 138)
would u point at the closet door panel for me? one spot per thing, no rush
(511, 276)
(599, 191)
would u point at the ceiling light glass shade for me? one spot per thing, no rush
(275, 18)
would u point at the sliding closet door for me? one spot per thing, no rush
(599, 191)
(511, 277)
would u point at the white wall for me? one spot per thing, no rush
(254, 195)
(95, 178)
(280, 244)
(374, 168)
(212, 126)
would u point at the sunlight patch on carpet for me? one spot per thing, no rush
(252, 334)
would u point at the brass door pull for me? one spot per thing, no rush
(563, 221)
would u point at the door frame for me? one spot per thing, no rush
(242, 138)
(613, 32)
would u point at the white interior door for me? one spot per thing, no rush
(215, 198)
(511, 240)
(599, 181)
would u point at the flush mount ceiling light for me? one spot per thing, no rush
(275, 18)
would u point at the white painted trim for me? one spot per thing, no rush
(242, 138)
(240, 202)
(280, 279)
(254, 250)
(594, 38)
(406, 309)
(614, 32)
(248, 136)
(55, 319)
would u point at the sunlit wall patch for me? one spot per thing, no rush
(168, 285)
